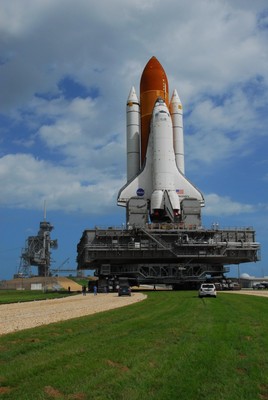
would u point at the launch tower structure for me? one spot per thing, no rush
(37, 251)
(164, 240)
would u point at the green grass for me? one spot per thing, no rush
(17, 296)
(171, 346)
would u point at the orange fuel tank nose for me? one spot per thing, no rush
(153, 84)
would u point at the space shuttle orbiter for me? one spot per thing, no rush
(155, 149)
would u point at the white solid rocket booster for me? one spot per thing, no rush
(177, 122)
(133, 135)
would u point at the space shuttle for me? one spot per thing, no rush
(155, 149)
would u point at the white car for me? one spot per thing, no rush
(207, 289)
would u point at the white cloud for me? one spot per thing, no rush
(82, 134)
(203, 45)
(225, 128)
(18, 17)
(29, 181)
(223, 206)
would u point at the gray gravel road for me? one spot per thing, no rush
(19, 316)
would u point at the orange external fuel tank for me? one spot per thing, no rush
(153, 84)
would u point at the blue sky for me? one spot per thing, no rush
(66, 69)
